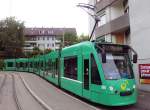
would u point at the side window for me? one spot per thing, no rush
(38, 64)
(70, 68)
(10, 64)
(21, 64)
(17, 65)
(56, 66)
(30, 64)
(49, 64)
(95, 77)
(41, 64)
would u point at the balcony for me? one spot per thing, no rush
(103, 4)
(119, 24)
(57, 41)
(28, 48)
(31, 41)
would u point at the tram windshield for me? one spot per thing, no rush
(117, 64)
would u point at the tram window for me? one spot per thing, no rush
(10, 64)
(24, 65)
(70, 68)
(49, 64)
(30, 64)
(21, 64)
(95, 77)
(37, 64)
(17, 65)
(40, 64)
(56, 66)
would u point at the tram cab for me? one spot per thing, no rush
(117, 80)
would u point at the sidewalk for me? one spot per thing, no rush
(143, 100)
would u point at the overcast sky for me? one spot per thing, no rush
(47, 13)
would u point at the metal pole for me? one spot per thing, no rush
(63, 39)
(96, 22)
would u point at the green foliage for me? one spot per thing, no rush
(11, 36)
(69, 39)
(47, 51)
(36, 51)
(1, 64)
(83, 37)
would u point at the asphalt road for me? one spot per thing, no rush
(54, 97)
(25, 98)
(7, 101)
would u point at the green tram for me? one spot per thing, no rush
(101, 73)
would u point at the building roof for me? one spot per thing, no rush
(48, 31)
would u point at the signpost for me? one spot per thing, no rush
(144, 73)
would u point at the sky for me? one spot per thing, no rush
(47, 13)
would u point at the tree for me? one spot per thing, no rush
(83, 37)
(69, 39)
(47, 51)
(36, 51)
(12, 37)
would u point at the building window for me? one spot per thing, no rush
(106, 38)
(50, 32)
(47, 38)
(38, 38)
(95, 77)
(43, 32)
(100, 39)
(102, 20)
(47, 45)
(52, 45)
(43, 38)
(52, 38)
(70, 68)
(98, 1)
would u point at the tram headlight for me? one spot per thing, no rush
(103, 87)
(111, 88)
(134, 86)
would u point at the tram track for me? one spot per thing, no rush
(43, 105)
(15, 94)
(8, 95)
(3, 83)
(1, 86)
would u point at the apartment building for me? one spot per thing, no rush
(126, 22)
(113, 25)
(45, 38)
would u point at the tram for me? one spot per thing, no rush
(101, 73)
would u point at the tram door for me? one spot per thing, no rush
(86, 75)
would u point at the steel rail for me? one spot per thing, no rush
(3, 83)
(15, 94)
